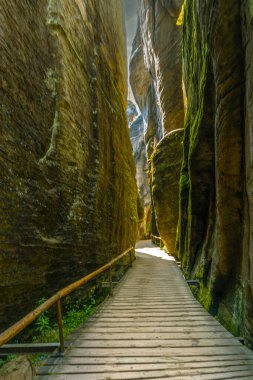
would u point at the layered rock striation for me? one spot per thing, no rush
(68, 193)
(215, 229)
(139, 152)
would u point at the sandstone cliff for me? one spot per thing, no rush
(65, 148)
(215, 230)
(156, 81)
(247, 264)
(139, 152)
(165, 168)
(214, 238)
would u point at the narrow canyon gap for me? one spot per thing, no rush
(69, 199)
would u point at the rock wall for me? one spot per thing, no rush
(247, 265)
(131, 112)
(165, 168)
(65, 152)
(215, 230)
(162, 44)
(156, 81)
(140, 158)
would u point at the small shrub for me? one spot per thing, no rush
(42, 323)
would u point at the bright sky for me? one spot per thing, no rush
(131, 22)
(130, 7)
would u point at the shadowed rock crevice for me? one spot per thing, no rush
(136, 125)
(156, 81)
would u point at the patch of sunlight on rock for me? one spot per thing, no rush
(148, 248)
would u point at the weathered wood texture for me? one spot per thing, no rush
(152, 328)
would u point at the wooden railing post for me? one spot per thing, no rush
(134, 254)
(157, 241)
(59, 320)
(130, 259)
(110, 281)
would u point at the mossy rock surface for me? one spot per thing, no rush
(18, 369)
(166, 164)
(212, 242)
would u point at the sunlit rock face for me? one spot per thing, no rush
(156, 81)
(132, 112)
(136, 126)
(162, 50)
(138, 74)
(215, 234)
(68, 193)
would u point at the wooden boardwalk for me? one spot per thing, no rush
(152, 328)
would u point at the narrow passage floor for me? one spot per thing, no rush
(152, 328)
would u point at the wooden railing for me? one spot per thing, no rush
(157, 240)
(19, 326)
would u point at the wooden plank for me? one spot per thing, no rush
(177, 295)
(150, 335)
(116, 367)
(163, 312)
(154, 329)
(152, 369)
(173, 360)
(158, 351)
(152, 314)
(157, 309)
(160, 323)
(154, 343)
(161, 303)
(151, 306)
(155, 296)
(208, 373)
(151, 317)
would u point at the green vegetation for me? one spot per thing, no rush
(184, 185)
(251, 10)
(75, 314)
(8, 359)
(45, 328)
(46, 331)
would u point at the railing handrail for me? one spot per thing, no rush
(19, 326)
(156, 237)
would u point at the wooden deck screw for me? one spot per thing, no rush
(59, 320)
